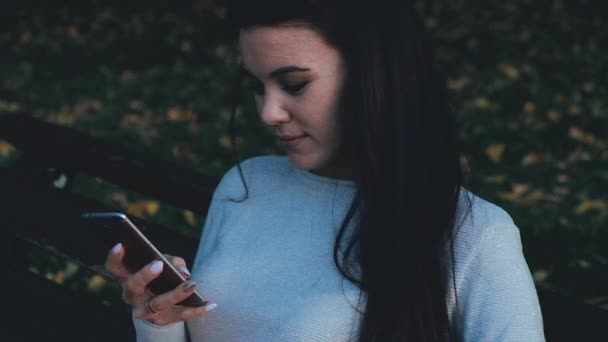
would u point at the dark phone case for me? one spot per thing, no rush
(112, 228)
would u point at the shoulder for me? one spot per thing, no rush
(479, 220)
(496, 293)
(485, 234)
(478, 212)
(258, 174)
(487, 243)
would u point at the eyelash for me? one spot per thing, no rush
(293, 89)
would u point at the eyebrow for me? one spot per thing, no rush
(278, 72)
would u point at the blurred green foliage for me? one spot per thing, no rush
(528, 80)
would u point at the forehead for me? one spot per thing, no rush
(265, 48)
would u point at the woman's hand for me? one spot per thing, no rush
(160, 309)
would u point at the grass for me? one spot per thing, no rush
(527, 79)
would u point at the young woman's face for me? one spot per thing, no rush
(297, 81)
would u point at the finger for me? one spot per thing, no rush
(142, 312)
(161, 308)
(168, 300)
(177, 314)
(187, 313)
(114, 263)
(179, 263)
(135, 285)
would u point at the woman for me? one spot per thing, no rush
(362, 232)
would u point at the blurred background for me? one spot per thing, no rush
(528, 81)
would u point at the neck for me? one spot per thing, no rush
(338, 172)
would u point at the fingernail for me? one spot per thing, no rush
(189, 285)
(156, 266)
(117, 248)
(184, 270)
(210, 307)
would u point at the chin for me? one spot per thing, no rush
(306, 162)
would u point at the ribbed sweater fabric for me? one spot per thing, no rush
(267, 262)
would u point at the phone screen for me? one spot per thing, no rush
(114, 227)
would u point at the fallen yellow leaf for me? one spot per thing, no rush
(459, 83)
(517, 192)
(120, 198)
(509, 70)
(189, 217)
(587, 205)
(576, 134)
(529, 199)
(176, 114)
(59, 277)
(25, 38)
(554, 116)
(132, 121)
(495, 152)
(6, 106)
(141, 208)
(529, 108)
(534, 196)
(481, 103)
(96, 282)
(225, 142)
(6, 149)
(498, 179)
(540, 275)
(531, 158)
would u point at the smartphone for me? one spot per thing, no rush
(115, 227)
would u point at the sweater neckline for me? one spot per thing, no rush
(314, 179)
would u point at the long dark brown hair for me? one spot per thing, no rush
(402, 142)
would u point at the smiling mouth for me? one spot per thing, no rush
(291, 142)
(291, 137)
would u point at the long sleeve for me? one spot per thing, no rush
(148, 332)
(499, 299)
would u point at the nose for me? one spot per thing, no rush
(271, 110)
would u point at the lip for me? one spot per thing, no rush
(291, 141)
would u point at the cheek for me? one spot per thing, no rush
(323, 113)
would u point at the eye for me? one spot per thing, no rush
(294, 88)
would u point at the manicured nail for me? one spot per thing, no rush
(117, 248)
(184, 271)
(156, 266)
(189, 285)
(210, 307)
